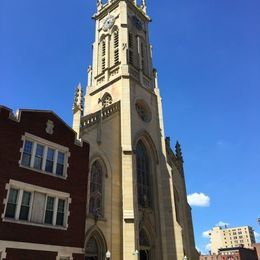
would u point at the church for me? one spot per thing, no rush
(137, 206)
(111, 187)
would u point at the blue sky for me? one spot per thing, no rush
(208, 58)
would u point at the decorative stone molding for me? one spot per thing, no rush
(102, 114)
(49, 127)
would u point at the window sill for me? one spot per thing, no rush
(44, 172)
(34, 224)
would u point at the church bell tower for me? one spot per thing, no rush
(137, 206)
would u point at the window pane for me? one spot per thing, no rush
(13, 196)
(59, 169)
(38, 157)
(60, 219)
(10, 210)
(26, 198)
(24, 212)
(50, 203)
(27, 151)
(49, 210)
(25, 206)
(28, 147)
(61, 205)
(50, 154)
(48, 217)
(60, 164)
(49, 161)
(60, 158)
(60, 213)
(11, 204)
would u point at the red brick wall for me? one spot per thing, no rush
(76, 183)
(20, 254)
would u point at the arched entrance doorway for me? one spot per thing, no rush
(145, 248)
(95, 246)
(144, 254)
(91, 249)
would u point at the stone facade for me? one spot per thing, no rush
(138, 209)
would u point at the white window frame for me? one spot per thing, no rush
(21, 186)
(47, 144)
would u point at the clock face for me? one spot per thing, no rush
(137, 23)
(108, 23)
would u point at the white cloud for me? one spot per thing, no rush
(222, 224)
(257, 236)
(205, 234)
(198, 199)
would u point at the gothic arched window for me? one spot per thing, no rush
(95, 246)
(132, 50)
(96, 189)
(143, 176)
(102, 54)
(143, 238)
(92, 247)
(116, 46)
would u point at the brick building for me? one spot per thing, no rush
(43, 187)
(235, 253)
(257, 248)
(223, 237)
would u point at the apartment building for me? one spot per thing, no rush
(223, 237)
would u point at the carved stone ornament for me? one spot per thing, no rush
(49, 127)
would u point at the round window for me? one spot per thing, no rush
(106, 100)
(143, 111)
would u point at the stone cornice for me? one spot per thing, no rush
(94, 118)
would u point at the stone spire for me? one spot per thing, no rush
(144, 6)
(99, 4)
(77, 109)
(78, 99)
(178, 151)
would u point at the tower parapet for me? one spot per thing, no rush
(105, 5)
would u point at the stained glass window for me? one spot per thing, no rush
(143, 178)
(96, 188)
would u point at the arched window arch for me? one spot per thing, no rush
(96, 189)
(95, 247)
(143, 176)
